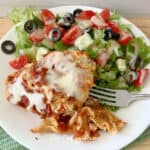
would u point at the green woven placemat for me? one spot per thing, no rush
(7, 143)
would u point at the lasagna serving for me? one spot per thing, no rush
(56, 88)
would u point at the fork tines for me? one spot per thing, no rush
(107, 95)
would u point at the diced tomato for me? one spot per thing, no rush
(86, 15)
(98, 22)
(141, 75)
(24, 102)
(105, 14)
(63, 31)
(125, 38)
(36, 36)
(48, 17)
(114, 26)
(19, 62)
(71, 35)
(48, 28)
(102, 59)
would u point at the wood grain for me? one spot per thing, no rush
(5, 25)
(142, 23)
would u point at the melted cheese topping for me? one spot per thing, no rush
(18, 90)
(63, 74)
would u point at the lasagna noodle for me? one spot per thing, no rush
(85, 123)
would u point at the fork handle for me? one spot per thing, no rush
(138, 98)
(136, 94)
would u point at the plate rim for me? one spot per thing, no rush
(123, 19)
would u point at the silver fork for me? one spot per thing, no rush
(121, 98)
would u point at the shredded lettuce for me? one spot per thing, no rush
(22, 41)
(30, 52)
(47, 44)
(99, 42)
(98, 34)
(58, 17)
(115, 16)
(38, 22)
(23, 44)
(125, 27)
(21, 14)
(130, 50)
(144, 49)
(98, 45)
(111, 108)
(93, 54)
(60, 46)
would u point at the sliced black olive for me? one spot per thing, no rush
(106, 38)
(55, 34)
(67, 21)
(115, 36)
(30, 26)
(68, 18)
(130, 77)
(108, 34)
(76, 12)
(108, 30)
(65, 25)
(8, 47)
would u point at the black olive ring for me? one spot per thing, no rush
(30, 26)
(55, 34)
(8, 47)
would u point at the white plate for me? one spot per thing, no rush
(17, 122)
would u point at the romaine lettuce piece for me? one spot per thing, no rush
(60, 46)
(143, 48)
(22, 39)
(22, 14)
(115, 16)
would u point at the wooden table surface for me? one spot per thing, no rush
(142, 23)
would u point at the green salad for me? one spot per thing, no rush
(120, 55)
